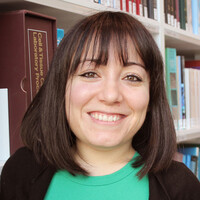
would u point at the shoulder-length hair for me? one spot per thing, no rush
(45, 129)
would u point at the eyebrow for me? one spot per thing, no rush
(126, 64)
(134, 63)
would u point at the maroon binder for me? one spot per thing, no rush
(27, 44)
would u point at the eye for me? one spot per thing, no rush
(89, 75)
(133, 78)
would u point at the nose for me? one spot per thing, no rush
(110, 92)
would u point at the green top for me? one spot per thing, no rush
(123, 184)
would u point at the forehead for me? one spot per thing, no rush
(124, 49)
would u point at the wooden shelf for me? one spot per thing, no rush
(189, 136)
(185, 42)
(68, 12)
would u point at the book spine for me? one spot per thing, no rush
(175, 17)
(138, 2)
(171, 79)
(198, 91)
(195, 17)
(192, 157)
(130, 5)
(134, 7)
(177, 14)
(123, 5)
(192, 97)
(189, 16)
(60, 35)
(182, 14)
(150, 7)
(116, 4)
(172, 12)
(187, 96)
(127, 6)
(4, 124)
(166, 11)
(183, 108)
(26, 54)
(145, 11)
(169, 12)
(178, 64)
(155, 10)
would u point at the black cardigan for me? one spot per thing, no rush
(23, 179)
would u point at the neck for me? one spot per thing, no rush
(102, 161)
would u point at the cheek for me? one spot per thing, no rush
(139, 100)
(78, 94)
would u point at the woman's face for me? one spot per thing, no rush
(107, 105)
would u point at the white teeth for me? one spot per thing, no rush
(106, 118)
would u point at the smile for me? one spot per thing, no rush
(106, 117)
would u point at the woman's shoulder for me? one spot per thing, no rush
(20, 174)
(21, 161)
(179, 171)
(21, 166)
(178, 182)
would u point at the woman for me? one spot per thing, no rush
(100, 126)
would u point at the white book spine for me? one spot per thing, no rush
(187, 96)
(4, 124)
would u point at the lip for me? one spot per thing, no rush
(105, 117)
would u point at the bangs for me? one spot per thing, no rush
(97, 48)
(96, 37)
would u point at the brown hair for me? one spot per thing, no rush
(45, 129)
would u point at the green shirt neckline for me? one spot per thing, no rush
(103, 180)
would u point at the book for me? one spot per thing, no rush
(192, 153)
(185, 15)
(129, 6)
(165, 12)
(194, 66)
(172, 12)
(192, 98)
(60, 35)
(139, 7)
(27, 46)
(192, 63)
(150, 8)
(195, 17)
(199, 15)
(177, 13)
(182, 13)
(187, 95)
(123, 5)
(168, 10)
(171, 82)
(155, 10)
(145, 10)
(116, 4)
(183, 104)
(134, 7)
(189, 16)
(4, 124)
(180, 92)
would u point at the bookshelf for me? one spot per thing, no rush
(68, 12)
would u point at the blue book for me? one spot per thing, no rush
(194, 161)
(184, 159)
(60, 35)
(188, 161)
(195, 16)
(171, 82)
(179, 92)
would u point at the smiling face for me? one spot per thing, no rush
(106, 104)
